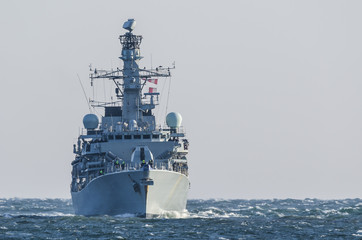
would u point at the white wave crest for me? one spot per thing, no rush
(126, 215)
(51, 214)
(173, 214)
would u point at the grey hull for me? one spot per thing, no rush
(138, 192)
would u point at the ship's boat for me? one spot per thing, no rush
(127, 163)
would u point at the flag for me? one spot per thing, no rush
(152, 90)
(153, 81)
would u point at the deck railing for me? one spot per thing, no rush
(96, 172)
(137, 166)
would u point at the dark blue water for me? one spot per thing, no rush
(205, 219)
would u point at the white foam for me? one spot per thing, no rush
(52, 214)
(174, 214)
(213, 212)
(126, 215)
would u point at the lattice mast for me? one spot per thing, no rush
(132, 88)
(134, 78)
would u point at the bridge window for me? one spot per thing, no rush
(146, 136)
(127, 137)
(110, 137)
(137, 136)
(118, 137)
(155, 136)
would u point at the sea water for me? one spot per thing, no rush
(204, 219)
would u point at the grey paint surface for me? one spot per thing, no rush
(113, 194)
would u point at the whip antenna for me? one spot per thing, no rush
(85, 95)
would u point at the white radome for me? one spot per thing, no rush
(90, 121)
(174, 119)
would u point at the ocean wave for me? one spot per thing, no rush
(211, 208)
(126, 215)
(173, 214)
(52, 214)
(204, 219)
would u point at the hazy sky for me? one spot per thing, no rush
(270, 91)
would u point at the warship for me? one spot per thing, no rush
(127, 163)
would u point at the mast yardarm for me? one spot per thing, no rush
(134, 106)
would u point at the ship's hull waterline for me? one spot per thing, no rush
(141, 193)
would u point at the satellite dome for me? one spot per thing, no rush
(90, 121)
(173, 120)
